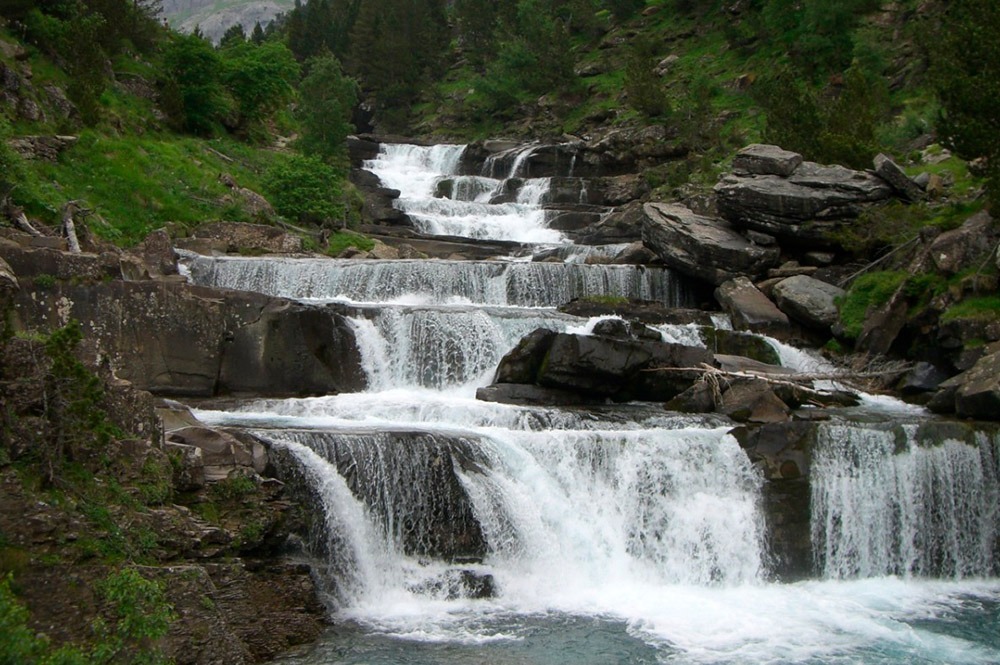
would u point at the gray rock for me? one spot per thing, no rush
(750, 309)
(954, 251)
(808, 300)
(763, 159)
(923, 378)
(8, 280)
(804, 208)
(752, 401)
(700, 246)
(890, 171)
(977, 390)
(239, 236)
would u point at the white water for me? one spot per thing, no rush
(647, 524)
(419, 174)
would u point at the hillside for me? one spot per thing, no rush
(213, 17)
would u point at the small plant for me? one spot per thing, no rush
(44, 281)
(234, 488)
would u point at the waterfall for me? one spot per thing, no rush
(886, 503)
(442, 202)
(440, 347)
(537, 512)
(498, 283)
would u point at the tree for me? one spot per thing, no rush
(326, 99)
(194, 96)
(306, 190)
(966, 76)
(260, 78)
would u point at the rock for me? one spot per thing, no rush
(750, 309)
(732, 343)
(752, 401)
(923, 378)
(597, 367)
(157, 254)
(44, 148)
(762, 239)
(889, 171)
(883, 324)
(762, 159)
(700, 246)
(8, 280)
(977, 390)
(803, 208)
(699, 398)
(175, 339)
(221, 455)
(954, 251)
(532, 395)
(614, 368)
(645, 311)
(635, 254)
(623, 224)
(819, 259)
(83, 267)
(520, 365)
(250, 201)
(808, 300)
(239, 236)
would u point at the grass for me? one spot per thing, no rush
(980, 308)
(137, 184)
(870, 290)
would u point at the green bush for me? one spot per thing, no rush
(306, 189)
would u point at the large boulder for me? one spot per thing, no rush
(583, 368)
(890, 171)
(974, 393)
(701, 246)
(623, 224)
(954, 251)
(8, 280)
(803, 208)
(171, 338)
(808, 300)
(750, 309)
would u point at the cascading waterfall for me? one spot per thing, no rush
(494, 283)
(454, 530)
(440, 201)
(884, 505)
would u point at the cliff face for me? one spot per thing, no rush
(214, 18)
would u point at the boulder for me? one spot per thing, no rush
(157, 254)
(762, 159)
(803, 208)
(623, 224)
(752, 401)
(733, 343)
(532, 395)
(750, 309)
(977, 390)
(808, 300)
(954, 251)
(521, 364)
(922, 378)
(883, 324)
(890, 171)
(702, 247)
(240, 236)
(219, 454)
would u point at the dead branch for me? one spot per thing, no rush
(69, 227)
(792, 380)
(220, 155)
(20, 220)
(850, 278)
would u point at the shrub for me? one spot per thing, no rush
(870, 290)
(306, 189)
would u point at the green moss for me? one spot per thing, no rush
(870, 290)
(341, 240)
(982, 308)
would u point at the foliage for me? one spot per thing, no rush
(326, 99)
(140, 615)
(194, 95)
(983, 308)
(73, 399)
(341, 240)
(967, 80)
(643, 88)
(140, 612)
(305, 189)
(839, 130)
(261, 79)
(869, 290)
(234, 488)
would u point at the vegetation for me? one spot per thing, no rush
(867, 291)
